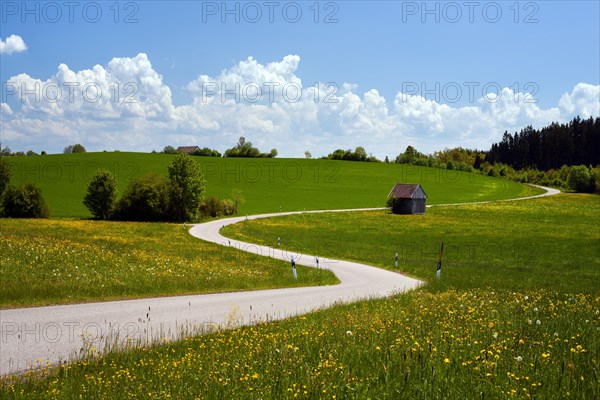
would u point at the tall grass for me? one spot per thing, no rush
(46, 262)
(475, 344)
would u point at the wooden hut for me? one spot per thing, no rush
(407, 199)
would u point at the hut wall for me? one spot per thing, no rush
(418, 206)
(409, 206)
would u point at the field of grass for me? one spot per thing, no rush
(516, 324)
(267, 184)
(512, 245)
(456, 345)
(46, 262)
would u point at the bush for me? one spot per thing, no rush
(145, 199)
(245, 149)
(206, 152)
(211, 207)
(101, 194)
(238, 199)
(580, 179)
(228, 207)
(24, 202)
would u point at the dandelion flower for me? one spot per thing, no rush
(519, 358)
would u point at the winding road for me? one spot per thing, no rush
(36, 337)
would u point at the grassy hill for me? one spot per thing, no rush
(267, 184)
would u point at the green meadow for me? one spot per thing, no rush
(515, 316)
(267, 184)
(57, 261)
(551, 242)
(516, 313)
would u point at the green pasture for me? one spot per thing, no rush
(267, 184)
(516, 313)
(551, 242)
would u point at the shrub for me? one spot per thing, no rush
(24, 202)
(206, 152)
(580, 179)
(245, 149)
(211, 207)
(145, 199)
(238, 199)
(101, 194)
(228, 207)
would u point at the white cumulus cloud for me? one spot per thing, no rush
(12, 44)
(583, 100)
(126, 105)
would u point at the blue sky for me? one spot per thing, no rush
(401, 73)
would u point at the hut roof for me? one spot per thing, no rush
(405, 191)
(187, 149)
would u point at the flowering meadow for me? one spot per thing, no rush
(65, 261)
(474, 344)
(509, 325)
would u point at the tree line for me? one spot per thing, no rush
(243, 148)
(559, 155)
(574, 143)
(359, 154)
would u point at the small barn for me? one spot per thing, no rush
(407, 199)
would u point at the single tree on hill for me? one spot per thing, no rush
(186, 188)
(101, 194)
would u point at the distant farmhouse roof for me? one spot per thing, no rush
(404, 191)
(187, 149)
